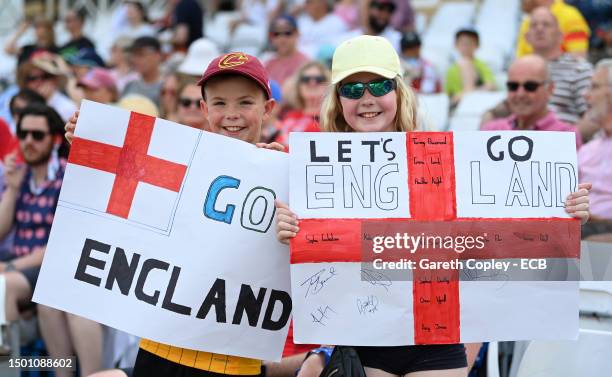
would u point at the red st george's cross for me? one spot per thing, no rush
(130, 164)
(433, 207)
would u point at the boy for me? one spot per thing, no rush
(468, 73)
(236, 101)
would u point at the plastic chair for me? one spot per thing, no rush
(588, 356)
(434, 111)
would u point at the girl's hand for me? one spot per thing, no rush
(70, 126)
(286, 223)
(274, 146)
(577, 203)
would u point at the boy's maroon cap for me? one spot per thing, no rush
(238, 63)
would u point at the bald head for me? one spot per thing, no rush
(544, 33)
(530, 5)
(533, 66)
(529, 88)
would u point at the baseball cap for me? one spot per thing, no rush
(238, 63)
(98, 78)
(410, 40)
(365, 53)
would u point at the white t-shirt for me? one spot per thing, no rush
(62, 104)
(314, 34)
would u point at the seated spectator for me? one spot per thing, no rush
(287, 59)
(137, 22)
(99, 85)
(45, 73)
(188, 111)
(468, 73)
(45, 40)
(29, 200)
(595, 156)
(308, 89)
(575, 30)
(187, 23)
(570, 75)
(419, 74)
(597, 13)
(529, 90)
(21, 100)
(74, 22)
(377, 21)
(120, 66)
(318, 26)
(146, 58)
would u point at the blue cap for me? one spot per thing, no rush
(284, 17)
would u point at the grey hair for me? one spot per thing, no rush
(607, 65)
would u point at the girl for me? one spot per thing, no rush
(368, 95)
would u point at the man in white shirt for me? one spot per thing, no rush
(319, 26)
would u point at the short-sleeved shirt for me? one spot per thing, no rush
(595, 166)
(281, 68)
(35, 209)
(572, 78)
(576, 31)
(454, 85)
(150, 90)
(72, 48)
(548, 123)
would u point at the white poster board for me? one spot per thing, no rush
(166, 232)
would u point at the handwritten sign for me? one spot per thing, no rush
(432, 238)
(165, 232)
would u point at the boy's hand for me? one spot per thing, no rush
(577, 203)
(71, 126)
(286, 223)
(274, 146)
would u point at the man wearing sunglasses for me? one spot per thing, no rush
(29, 200)
(529, 90)
(287, 59)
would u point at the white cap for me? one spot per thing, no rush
(201, 52)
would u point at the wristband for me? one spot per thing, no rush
(325, 351)
(9, 267)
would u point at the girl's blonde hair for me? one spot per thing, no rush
(332, 119)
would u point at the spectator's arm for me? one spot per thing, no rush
(7, 210)
(11, 46)
(13, 176)
(33, 259)
(286, 367)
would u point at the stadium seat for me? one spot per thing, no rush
(477, 103)
(587, 356)
(433, 111)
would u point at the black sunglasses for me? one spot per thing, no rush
(529, 86)
(355, 90)
(36, 135)
(44, 76)
(282, 33)
(317, 79)
(188, 102)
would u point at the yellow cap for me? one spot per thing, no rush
(365, 53)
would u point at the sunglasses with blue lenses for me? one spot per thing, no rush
(355, 90)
